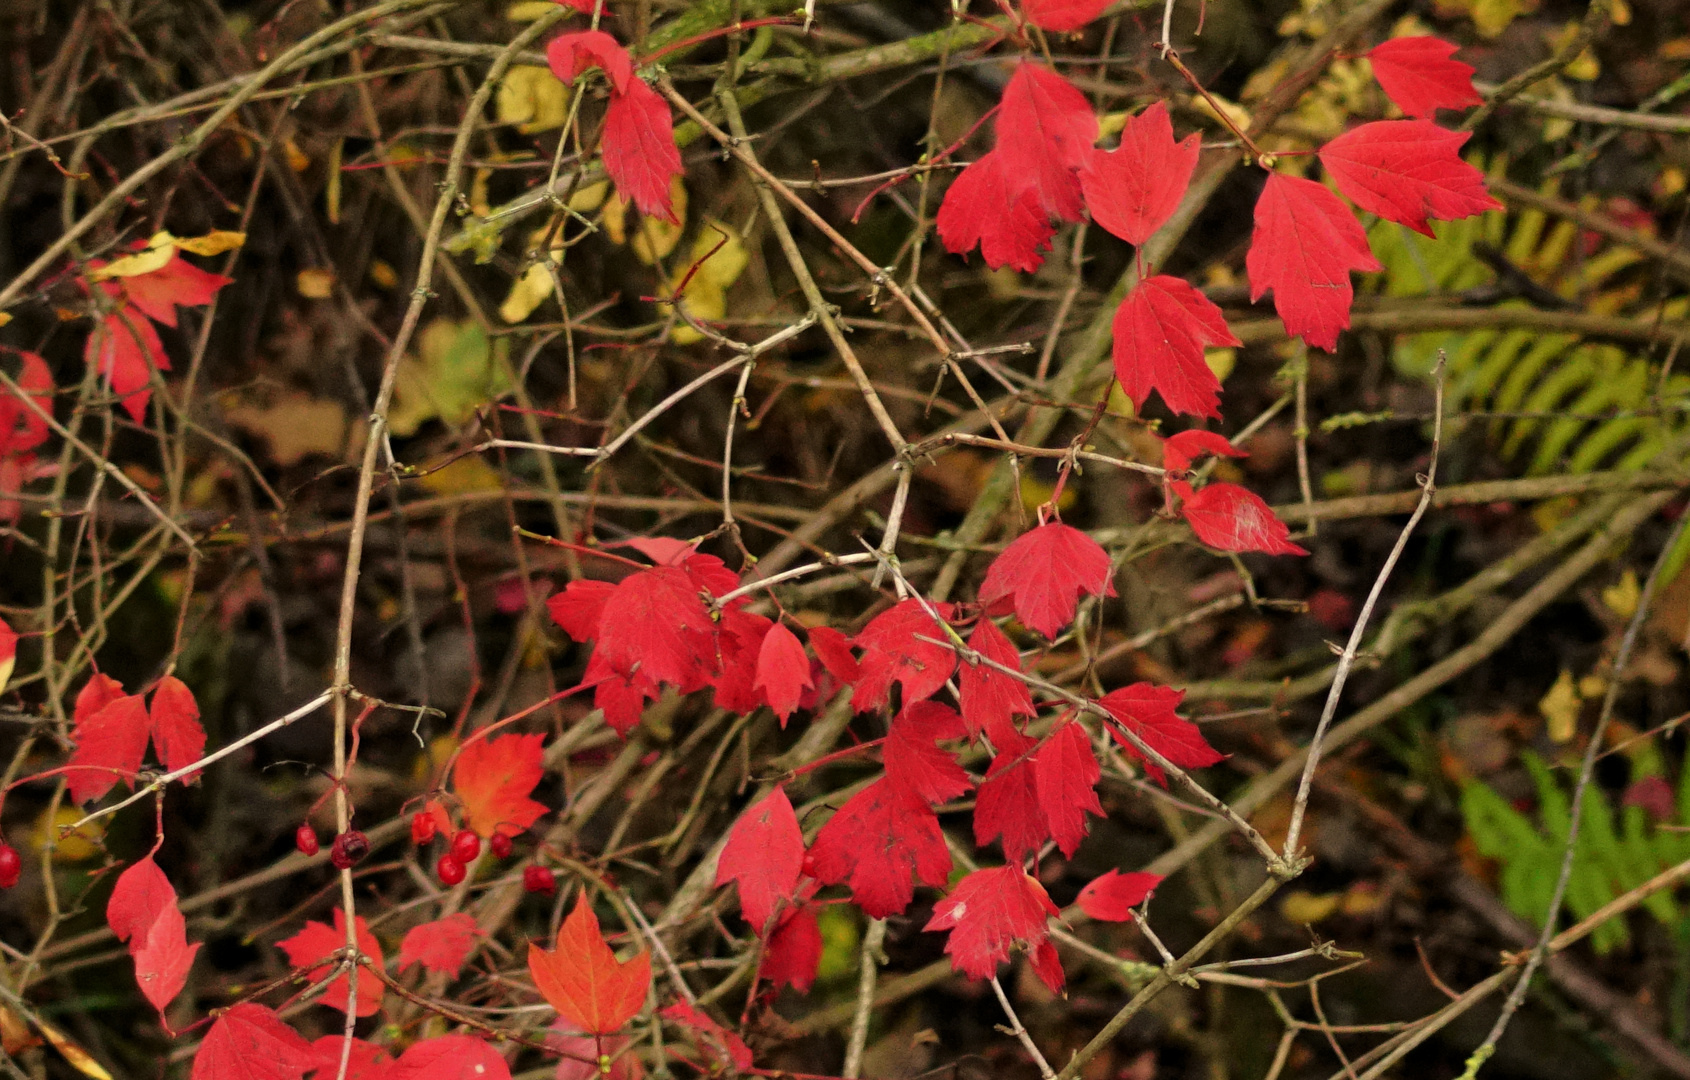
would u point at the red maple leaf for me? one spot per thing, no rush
(739, 640)
(639, 148)
(157, 293)
(124, 348)
(568, 55)
(249, 1042)
(1046, 129)
(440, 946)
(1133, 190)
(1044, 572)
(178, 738)
(990, 699)
(1305, 243)
(894, 650)
(875, 842)
(794, 951)
(987, 913)
(493, 779)
(1179, 451)
(727, 1049)
(22, 430)
(1112, 897)
(365, 1061)
(764, 854)
(1419, 75)
(110, 729)
(1407, 171)
(312, 948)
(1065, 774)
(448, 1057)
(984, 206)
(143, 912)
(833, 649)
(1234, 518)
(652, 628)
(914, 761)
(1148, 712)
(1062, 16)
(579, 606)
(1007, 806)
(783, 671)
(582, 979)
(1160, 331)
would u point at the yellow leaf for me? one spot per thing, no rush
(382, 274)
(76, 846)
(459, 371)
(5, 317)
(15, 1036)
(1560, 707)
(79, 1059)
(465, 476)
(528, 292)
(529, 10)
(533, 99)
(6, 666)
(298, 160)
(159, 250)
(1584, 67)
(316, 283)
(657, 238)
(1221, 361)
(1623, 595)
(1306, 908)
(589, 198)
(613, 219)
(294, 425)
(212, 243)
(718, 258)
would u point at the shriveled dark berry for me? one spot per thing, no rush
(349, 849)
(423, 828)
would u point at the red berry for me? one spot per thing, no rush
(449, 870)
(349, 849)
(539, 879)
(423, 828)
(305, 839)
(11, 865)
(466, 846)
(501, 845)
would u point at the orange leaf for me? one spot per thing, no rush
(583, 980)
(493, 778)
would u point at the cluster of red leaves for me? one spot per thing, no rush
(638, 139)
(111, 729)
(124, 346)
(22, 429)
(250, 1042)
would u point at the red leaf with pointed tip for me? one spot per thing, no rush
(894, 651)
(794, 952)
(990, 699)
(783, 670)
(583, 980)
(1407, 171)
(1046, 129)
(710, 574)
(157, 293)
(987, 913)
(764, 854)
(621, 697)
(655, 623)
(1061, 16)
(110, 743)
(1148, 712)
(984, 206)
(493, 779)
(1179, 451)
(144, 913)
(1419, 75)
(833, 649)
(249, 1042)
(124, 348)
(638, 146)
(717, 1042)
(662, 550)
(568, 55)
(1046, 570)
(1113, 896)
(365, 1061)
(1047, 965)
(1132, 191)
(914, 763)
(739, 638)
(875, 842)
(448, 1057)
(440, 946)
(178, 738)
(1234, 518)
(578, 608)
(1305, 243)
(1007, 807)
(1160, 331)
(20, 428)
(1065, 774)
(313, 947)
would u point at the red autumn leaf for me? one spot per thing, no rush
(875, 843)
(8, 652)
(639, 148)
(662, 550)
(1160, 331)
(1148, 712)
(1234, 518)
(143, 912)
(249, 1042)
(440, 946)
(124, 348)
(1061, 16)
(493, 779)
(365, 1060)
(579, 606)
(739, 640)
(1133, 190)
(1305, 243)
(1045, 571)
(894, 651)
(1007, 807)
(794, 951)
(1047, 965)
(1065, 774)
(20, 428)
(764, 854)
(833, 649)
(1112, 897)
(178, 738)
(987, 913)
(582, 979)
(178, 282)
(569, 55)
(585, 7)
(914, 761)
(783, 671)
(1419, 75)
(990, 699)
(312, 948)
(111, 739)
(652, 629)
(449, 1057)
(580, 1053)
(1046, 129)
(721, 1045)
(983, 206)
(1179, 451)
(1407, 171)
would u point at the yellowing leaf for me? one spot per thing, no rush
(536, 282)
(298, 160)
(1560, 707)
(613, 219)
(294, 425)
(79, 1059)
(718, 258)
(315, 283)
(1221, 361)
(1306, 908)
(159, 250)
(529, 10)
(1585, 66)
(1490, 17)
(76, 846)
(590, 198)
(465, 476)
(5, 317)
(657, 238)
(1622, 596)
(212, 243)
(459, 371)
(533, 99)
(382, 274)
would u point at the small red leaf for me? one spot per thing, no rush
(894, 650)
(1007, 807)
(1148, 712)
(313, 947)
(157, 293)
(982, 206)
(249, 1042)
(1419, 75)
(1112, 897)
(833, 649)
(1233, 518)
(1065, 774)
(794, 951)
(569, 55)
(1046, 129)
(1062, 16)
(1046, 570)
(991, 699)
(448, 1057)
(1179, 451)
(1304, 246)
(783, 670)
(365, 1061)
(914, 763)
(739, 641)
(583, 980)
(125, 349)
(875, 842)
(143, 912)
(110, 743)
(720, 1044)
(764, 854)
(440, 946)
(639, 149)
(493, 779)
(1407, 171)
(987, 913)
(655, 624)
(178, 738)
(1160, 331)
(579, 607)
(1133, 190)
